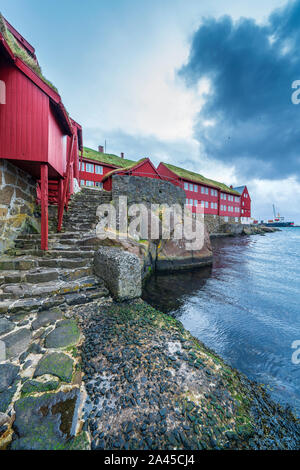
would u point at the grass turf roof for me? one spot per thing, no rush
(108, 158)
(132, 165)
(190, 175)
(18, 51)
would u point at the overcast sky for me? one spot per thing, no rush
(202, 84)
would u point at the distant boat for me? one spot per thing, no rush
(278, 221)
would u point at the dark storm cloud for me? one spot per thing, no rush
(251, 68)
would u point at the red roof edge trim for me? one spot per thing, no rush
(37, 80)
(6, 47)
(20, 38)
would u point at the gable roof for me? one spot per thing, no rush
(240, 189)
(22, 49)
(108, 158)
(197, 178)
(21, 53)
(128, 168)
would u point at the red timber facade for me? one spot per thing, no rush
(143, 168)
(245, 203)
(214, 197)
(36, 133)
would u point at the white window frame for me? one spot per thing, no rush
(89, 167)
(99, 169)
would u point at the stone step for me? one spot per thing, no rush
(84, 252)
(10, 279)
(24, 290)
(49, 295)
(16, 264)
(33, 276)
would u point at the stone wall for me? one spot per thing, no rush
(215, 223)
(144, 190)
(17, 204)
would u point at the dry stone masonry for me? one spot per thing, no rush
(18, 210)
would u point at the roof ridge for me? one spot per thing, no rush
(197, 177)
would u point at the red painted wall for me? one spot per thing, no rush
(245, 203)
(86, 176)
(57, 145)
(24, 117)
(213, 196)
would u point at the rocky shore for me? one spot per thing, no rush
(152, 385)
(233, 230)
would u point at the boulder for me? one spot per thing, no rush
(121, 272)
(173, 255)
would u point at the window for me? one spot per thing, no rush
(195, 188)
(82, 166)
(195, 202)
(225, 208)
(224, 197)
(206, 204)
(226, 219)
(2, 92)
(202, 190)
(212, 192)
(186, 186)
(237, 199)
(191, 187)
(212, 205)
(216, 205)
(89, 183)
(191, 202)
(99, 169)
(202, 203)
(236, 219)
(99, 185)
(81, 182)
(206, 190)
(89, 167)
(243, 203)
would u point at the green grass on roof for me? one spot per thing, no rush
(107, 158)
(126, 168)
(18, 51)
(190, 175)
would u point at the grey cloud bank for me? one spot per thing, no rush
(251, 68)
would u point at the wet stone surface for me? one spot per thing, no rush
(151, 385)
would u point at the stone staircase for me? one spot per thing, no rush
(32, 279)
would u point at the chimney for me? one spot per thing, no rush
(122, 154)
(100, 148)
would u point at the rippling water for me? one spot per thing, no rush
(246, 307)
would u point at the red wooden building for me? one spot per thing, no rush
(214, 197)
(36, 133)
(96, 164)
(245, 203)
(143, 167)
